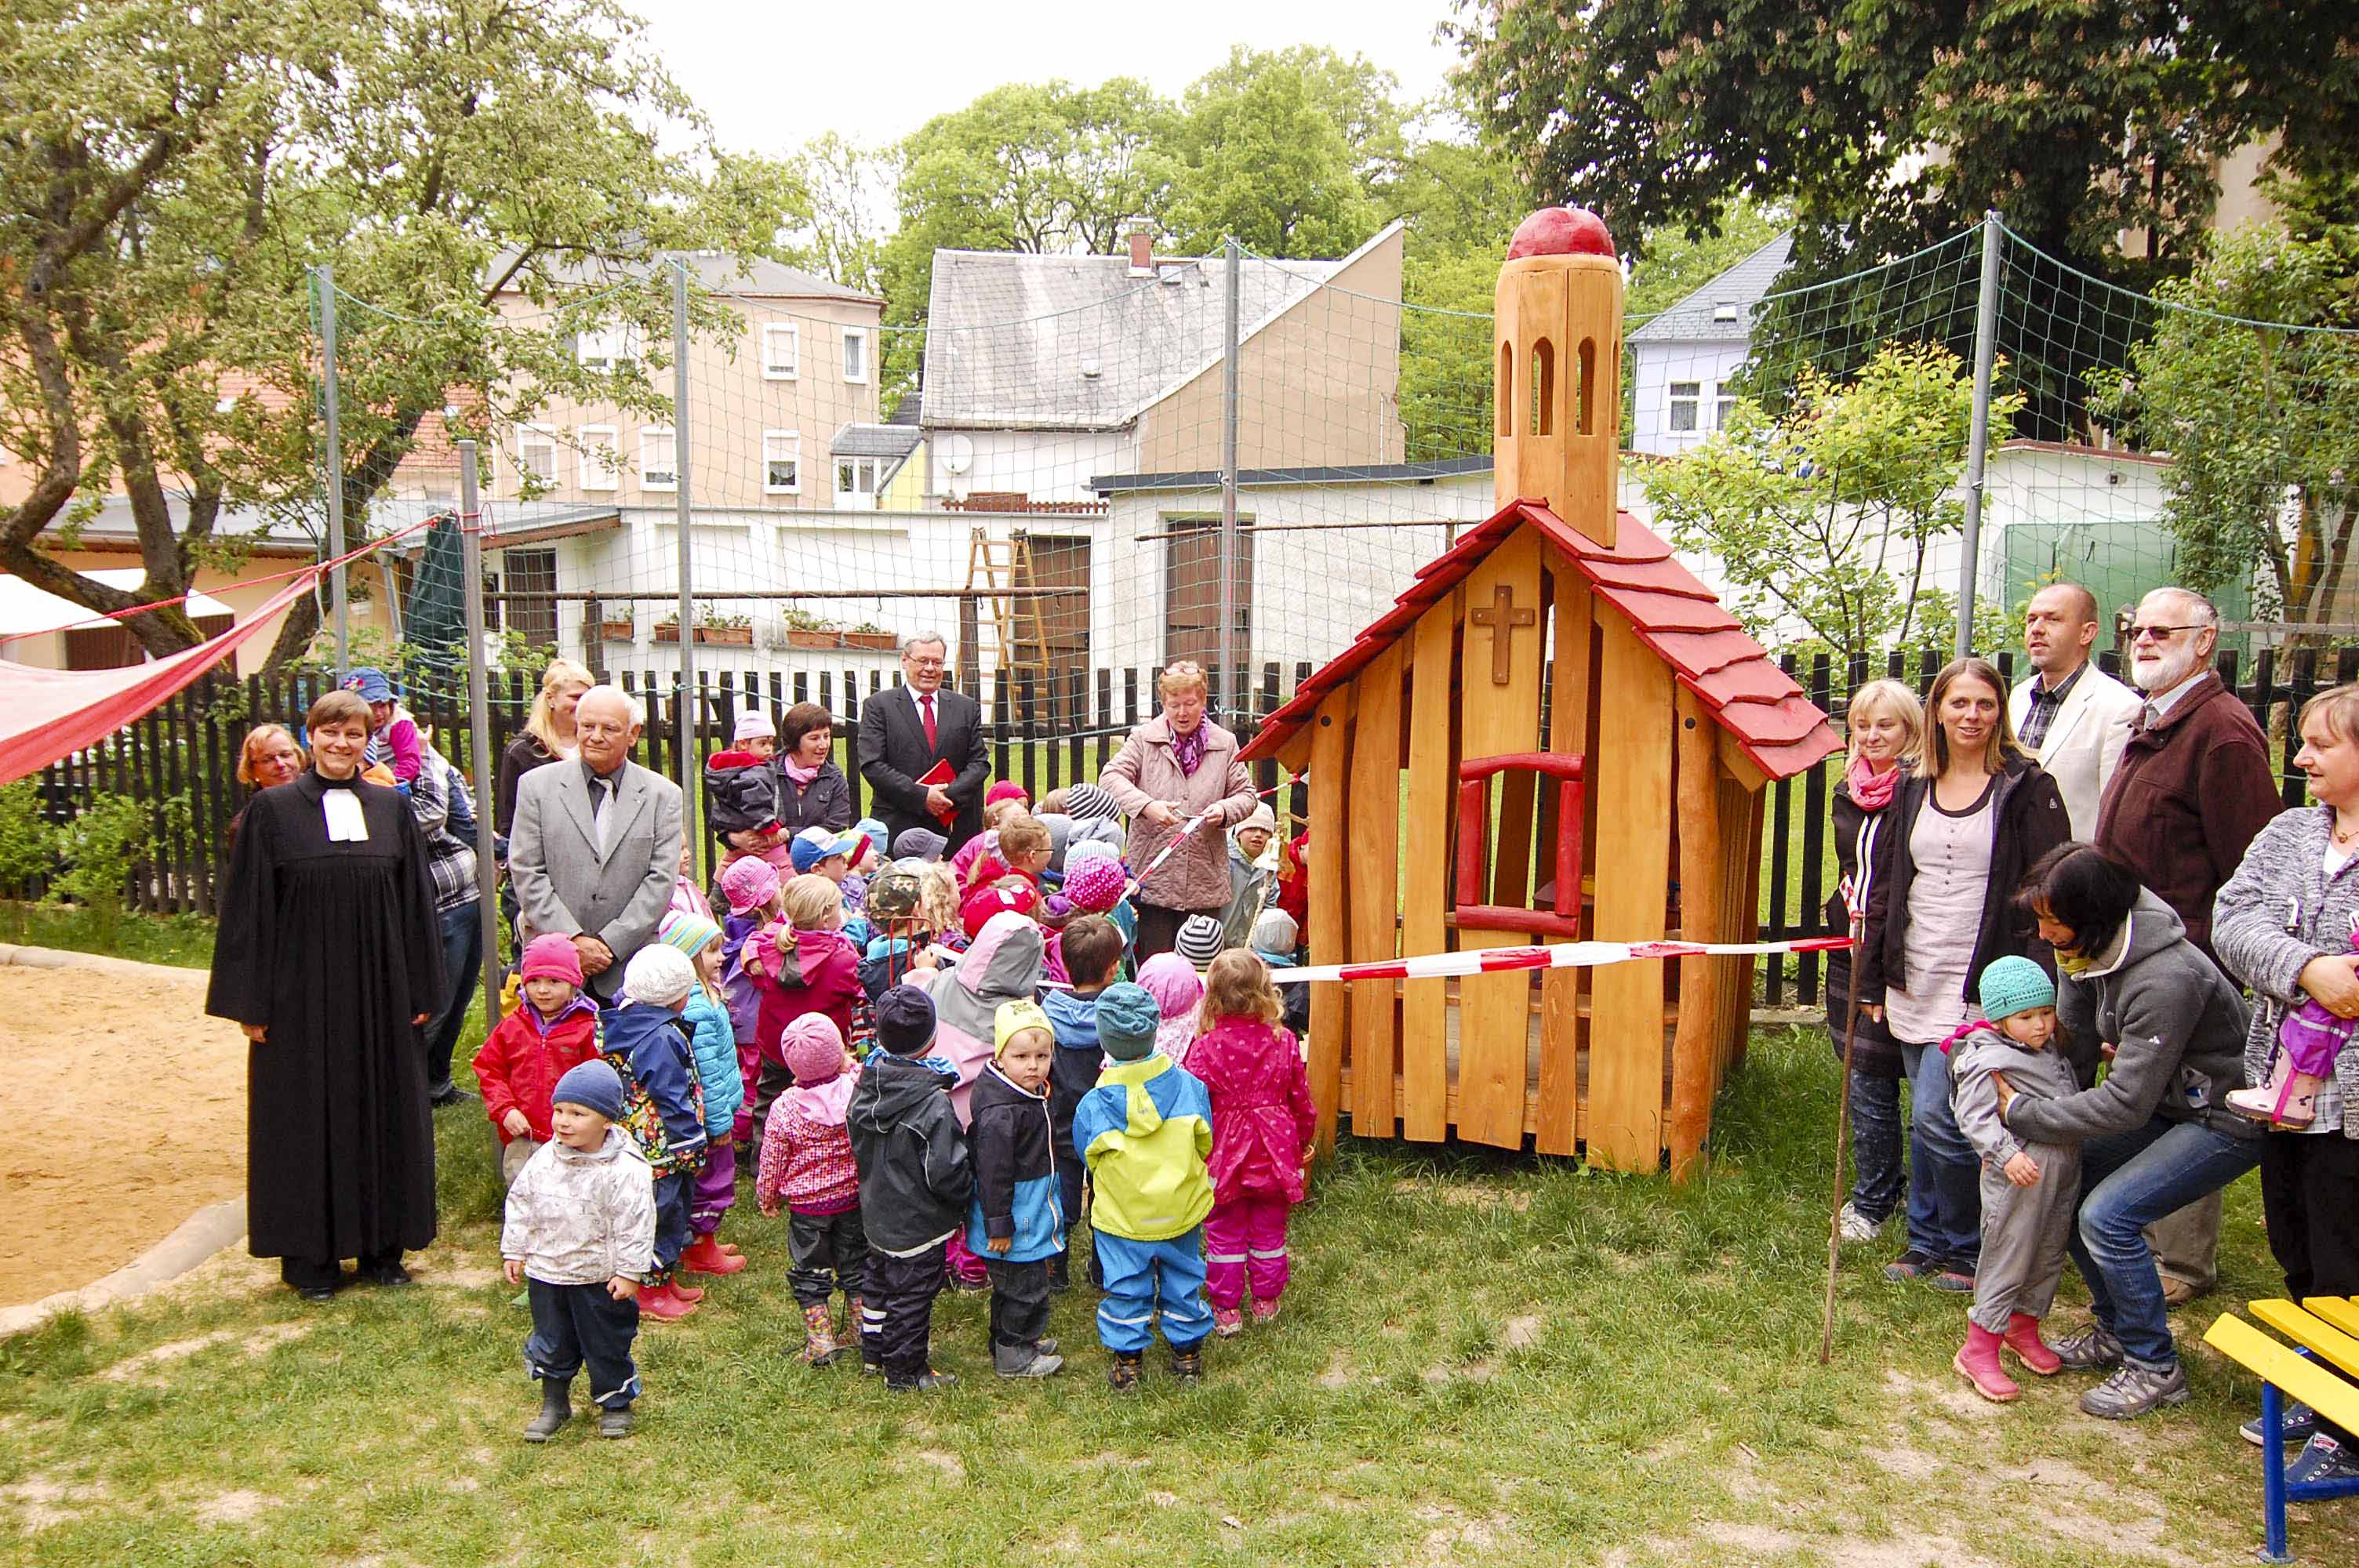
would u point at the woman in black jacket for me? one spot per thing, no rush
(1957, 840)
(812, 791)
(1886, 725)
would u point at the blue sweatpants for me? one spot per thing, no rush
(1141, 1274)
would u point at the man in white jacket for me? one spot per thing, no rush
(2072, 716)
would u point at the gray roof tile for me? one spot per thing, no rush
(1743, 286)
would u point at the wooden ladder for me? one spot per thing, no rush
(1011, 634)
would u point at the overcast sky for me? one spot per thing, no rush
(774, 76)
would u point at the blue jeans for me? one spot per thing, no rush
(1945, 1194)
(2129, 1180)
(1877, 1172)
(463, 959)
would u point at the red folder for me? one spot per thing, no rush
(940, 774)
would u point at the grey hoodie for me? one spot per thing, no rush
(2278, 912)
(2177, 1029)
(1973, 1098)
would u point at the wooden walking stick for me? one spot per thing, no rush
(1842, 1142)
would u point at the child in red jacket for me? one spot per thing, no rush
(802, 964)
(518, 1064)
(1263, 1121)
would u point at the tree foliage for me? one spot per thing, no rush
(1885, 125)
(1286, 151)
(172, 173)
(1814, 512)
(2262, 422)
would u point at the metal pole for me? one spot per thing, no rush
(479, 729)
(323, 279)
(1978, 441)
(1224, 677)
(689, 766)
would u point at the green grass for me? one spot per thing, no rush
(1485, 1357)
(185, 941)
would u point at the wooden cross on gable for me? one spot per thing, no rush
(1503, 618)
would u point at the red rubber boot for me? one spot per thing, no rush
(704, 1256)
(663, 1303)
(1977, 1362)
(2023, 1338)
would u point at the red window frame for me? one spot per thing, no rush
(1475, 776)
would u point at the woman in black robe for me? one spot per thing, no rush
(330, 957)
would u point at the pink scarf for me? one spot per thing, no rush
(1869, 790)
(797, 772)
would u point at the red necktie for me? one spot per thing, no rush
(926, 709)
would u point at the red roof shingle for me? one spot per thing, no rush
(1667, 605)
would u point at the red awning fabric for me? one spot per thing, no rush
(46, 715)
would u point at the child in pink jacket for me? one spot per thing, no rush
(1263, 1122)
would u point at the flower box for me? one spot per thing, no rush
(877, 642)
(615, 632)
(726, 636)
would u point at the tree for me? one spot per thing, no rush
(1288, 151)
(843, 184)
(1884, 126)
(2262, 421)
(173, 172)
(1815, 512)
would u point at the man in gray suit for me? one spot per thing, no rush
(594, 848)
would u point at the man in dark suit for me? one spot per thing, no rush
(905, 731)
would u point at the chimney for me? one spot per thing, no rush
(1142, 247)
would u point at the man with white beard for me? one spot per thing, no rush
(2193, 786)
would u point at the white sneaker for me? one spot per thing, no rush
(1856, 1227)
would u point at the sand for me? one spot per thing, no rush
(125, 1110)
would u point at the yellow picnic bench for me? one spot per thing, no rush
(2323, 1328)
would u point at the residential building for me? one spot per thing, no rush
(1684, 361)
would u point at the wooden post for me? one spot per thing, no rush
(1556, 1129)
(1375, 888)
(1633, 797)
(1425, 887)
(1695, 1045)
(1329, 901)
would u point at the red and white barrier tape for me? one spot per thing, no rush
(1555, 956)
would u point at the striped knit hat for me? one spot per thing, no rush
(1084, 802)
(690, 933)
(1200, 939)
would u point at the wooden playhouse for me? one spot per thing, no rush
(1556, 734)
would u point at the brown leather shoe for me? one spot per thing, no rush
(2177, 1293)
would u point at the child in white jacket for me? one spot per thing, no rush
(580, 1235)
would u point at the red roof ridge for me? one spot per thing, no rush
(1672, 609)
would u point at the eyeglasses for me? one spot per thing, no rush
(2159, 633)
(926, 663)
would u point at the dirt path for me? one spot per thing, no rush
(125, 1113)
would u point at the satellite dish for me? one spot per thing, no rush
(957, 453)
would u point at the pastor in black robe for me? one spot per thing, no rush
(333, 947)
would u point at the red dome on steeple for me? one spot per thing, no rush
(1561, 231)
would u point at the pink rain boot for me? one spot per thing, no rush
(1977, 1362)
(2288, 1099)
(2023, 1338)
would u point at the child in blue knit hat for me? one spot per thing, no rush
(2029, 1191)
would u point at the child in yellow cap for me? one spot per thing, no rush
(1016, 1221)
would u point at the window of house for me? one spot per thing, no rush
(1687, 400)
(658, 460)
(1724, 311)
(782, 350)
(529, 607)
(597, 453)
(1485, 896)
(1724, 403)
(855, 484)
(782, 462)
(607, 349)
(855, 353)
(537, 455)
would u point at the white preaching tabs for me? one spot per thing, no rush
(347, 820)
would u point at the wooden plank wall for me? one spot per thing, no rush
(1375, 888)
(1425, 879)
(1329, 901)
(1495, 1011)
(1633, 807)
(1556, 1125)
(1702, 851)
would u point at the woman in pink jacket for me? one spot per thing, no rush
(1174, 768)
(1263, 1122)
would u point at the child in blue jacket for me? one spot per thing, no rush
(713, 1038)
(663, 1106)
(1015, 1222)
(1094, 953)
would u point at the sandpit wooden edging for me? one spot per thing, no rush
(197, 1236)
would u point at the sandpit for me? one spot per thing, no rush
(125, 1109)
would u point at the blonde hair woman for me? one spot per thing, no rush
(1957, 838)
(1177, 766)
(1886, 725)
(547, 736)
(268, 757)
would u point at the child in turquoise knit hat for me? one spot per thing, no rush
(2029, 1191)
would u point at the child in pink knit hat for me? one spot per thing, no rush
(807, 1167)
(749, 890)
